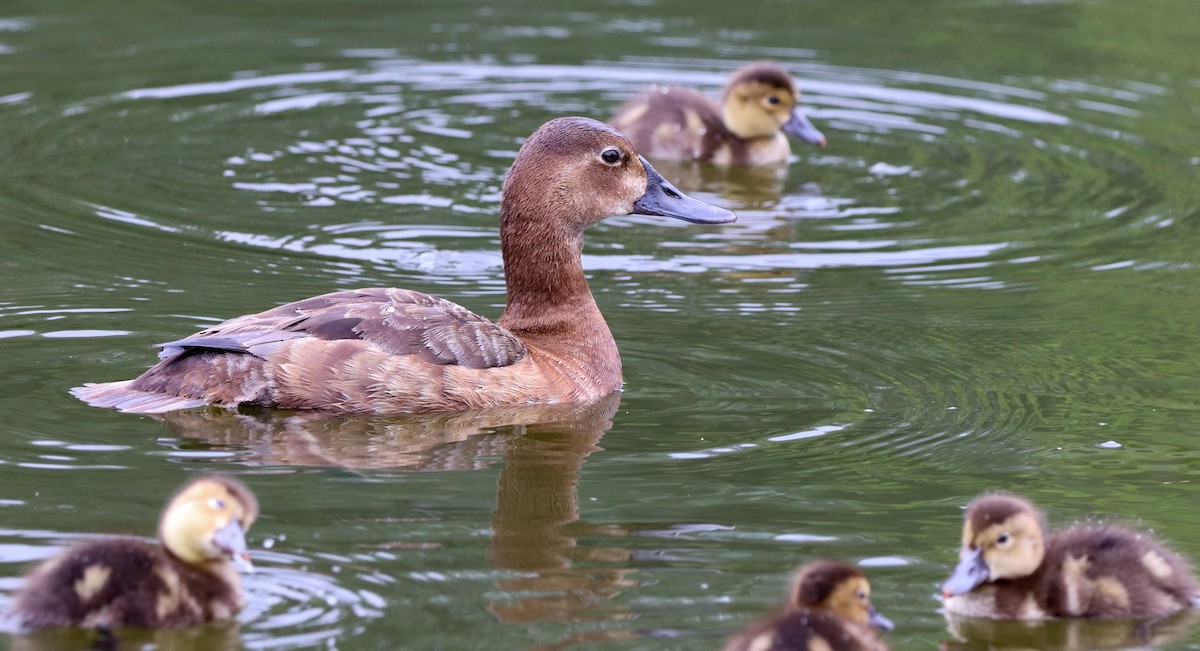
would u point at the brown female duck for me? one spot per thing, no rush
(748, 127)
(829, 609)
(389, 351)
(1010, 569)
(188, 580)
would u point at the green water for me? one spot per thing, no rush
(987, 280)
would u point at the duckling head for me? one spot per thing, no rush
(840, 588)
(207, 520)
(1003, 538)
(760, 100)
(574, 171)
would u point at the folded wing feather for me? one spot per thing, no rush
(397, 321)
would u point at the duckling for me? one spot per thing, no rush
(126, 582)
(1010, 569)
(829, 609)
(748, 127)
(389, 351)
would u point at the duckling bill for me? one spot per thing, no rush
(125, 582)
(395, 351)
(1009, 568)
(828, 609)
(750, 125)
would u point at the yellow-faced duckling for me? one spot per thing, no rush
(392, 351)
(126, 582)
(1010, 569)
(747, 127)
(829, 609)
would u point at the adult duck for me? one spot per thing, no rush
(391, 351)
(749, 126)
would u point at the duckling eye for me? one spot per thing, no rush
(217, 503)
(611, 156)
(1003, 538)
(862, 596)
(772, 99)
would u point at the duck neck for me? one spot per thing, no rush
(543, 274)
(219, 570)
(550, 306)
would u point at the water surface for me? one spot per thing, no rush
(986, 280)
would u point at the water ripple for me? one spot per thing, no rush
(411, 153)
(287, 592)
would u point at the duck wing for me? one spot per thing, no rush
(1108, 571)
(314, 354)
(395, 321)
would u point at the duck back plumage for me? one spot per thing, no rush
(303, 355)
(1108, 571)
(125, 582)
(678, 123)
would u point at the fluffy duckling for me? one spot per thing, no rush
(125, 582)
(829, 609)
(1010, 569)
(393, 351)
(748, 127)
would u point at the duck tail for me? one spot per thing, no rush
(120, 395)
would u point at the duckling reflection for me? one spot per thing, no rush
(224, 635)
(1066, 634)
(125, 582)
(750, 186)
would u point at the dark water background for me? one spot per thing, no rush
(987, 280)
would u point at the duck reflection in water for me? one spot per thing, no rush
(452, 441)
(224, 635)
(970, 633)
(535, 530)
(536, 522)
(748, 186)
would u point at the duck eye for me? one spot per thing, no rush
(1003, 538)
(217, 503)
(772, 99)
(611, 156)
(862, 596)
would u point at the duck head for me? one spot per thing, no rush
(760, 100)
(840, 588)
(573, 172)
(207, 521)
(1003, 538)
